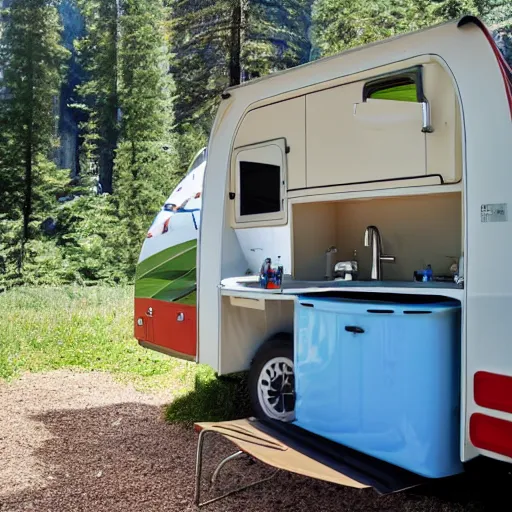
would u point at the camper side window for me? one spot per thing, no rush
(259, 183)
(406, 92)
(403, 86)
(260, 188)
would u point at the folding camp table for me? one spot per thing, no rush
(286, 447)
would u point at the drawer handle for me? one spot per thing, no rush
(354, 329)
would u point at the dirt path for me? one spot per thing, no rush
(83, 442)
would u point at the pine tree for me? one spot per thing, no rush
(342, 24)
(143, 162)
(67, 156)
(277, 35)
(98, 55)
(218, 43)
(498, 15)
(206, 56)
(32, 61)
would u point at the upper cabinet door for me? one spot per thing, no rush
(444, 145)
(366, 131)
(286, 119)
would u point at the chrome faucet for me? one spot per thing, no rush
(372, 237)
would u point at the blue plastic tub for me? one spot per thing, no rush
(382, 378)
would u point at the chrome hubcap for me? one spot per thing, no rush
(276, 389)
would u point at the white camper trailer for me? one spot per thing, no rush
(382, 180)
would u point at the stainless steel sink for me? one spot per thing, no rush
(363, 283)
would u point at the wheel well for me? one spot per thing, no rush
(280, 336)
(275, 338)
(273, 363)
(244, 330)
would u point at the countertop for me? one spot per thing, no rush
(248, 286)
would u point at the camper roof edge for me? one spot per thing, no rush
(464, 20)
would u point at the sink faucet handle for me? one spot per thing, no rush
(390, 259)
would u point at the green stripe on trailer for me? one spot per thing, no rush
(161, 259)
(169, 275)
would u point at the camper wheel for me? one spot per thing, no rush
(271, 379)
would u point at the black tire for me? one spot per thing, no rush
(279, 346)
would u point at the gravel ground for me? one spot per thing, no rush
(83, 442)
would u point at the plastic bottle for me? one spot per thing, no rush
(329, 263)
(428, 274)
(280, 272)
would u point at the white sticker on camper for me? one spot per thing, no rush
(494, 212)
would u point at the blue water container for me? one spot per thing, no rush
(382, 378)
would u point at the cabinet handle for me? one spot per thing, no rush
(354, 329)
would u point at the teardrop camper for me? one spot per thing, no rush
(381, 180)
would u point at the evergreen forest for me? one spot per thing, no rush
(103, 104)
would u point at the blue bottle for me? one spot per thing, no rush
(428, 274)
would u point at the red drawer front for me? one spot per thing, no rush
(492, 434)
(493, 391)
(170, 326)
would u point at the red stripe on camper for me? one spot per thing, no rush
(492, 434)
(506, 72)
(493, 391)
(169, 326)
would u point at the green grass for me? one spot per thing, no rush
(91, 329)
(46, 329)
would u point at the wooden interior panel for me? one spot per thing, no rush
(417, 230)
(314, 231)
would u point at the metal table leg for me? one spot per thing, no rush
(229, 458)
(199, 470)
(199, 465)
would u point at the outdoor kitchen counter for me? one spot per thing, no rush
(248, 287)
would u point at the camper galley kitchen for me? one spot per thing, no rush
(378, 182)
(367, 172)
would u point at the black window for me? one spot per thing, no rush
(260, 188)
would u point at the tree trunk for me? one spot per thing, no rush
(235, 68)
(27, 199)
(27, 202)
(106, 159)
(308, 46)
(111, 132)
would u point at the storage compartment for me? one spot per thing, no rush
(404, 124)
(417, 230)
(362, 132)
(353, 142)
(382, 378)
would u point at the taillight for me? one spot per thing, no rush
(493, 391)
(491, 434)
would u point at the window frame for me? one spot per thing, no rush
(394, 79)
(273, 218)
